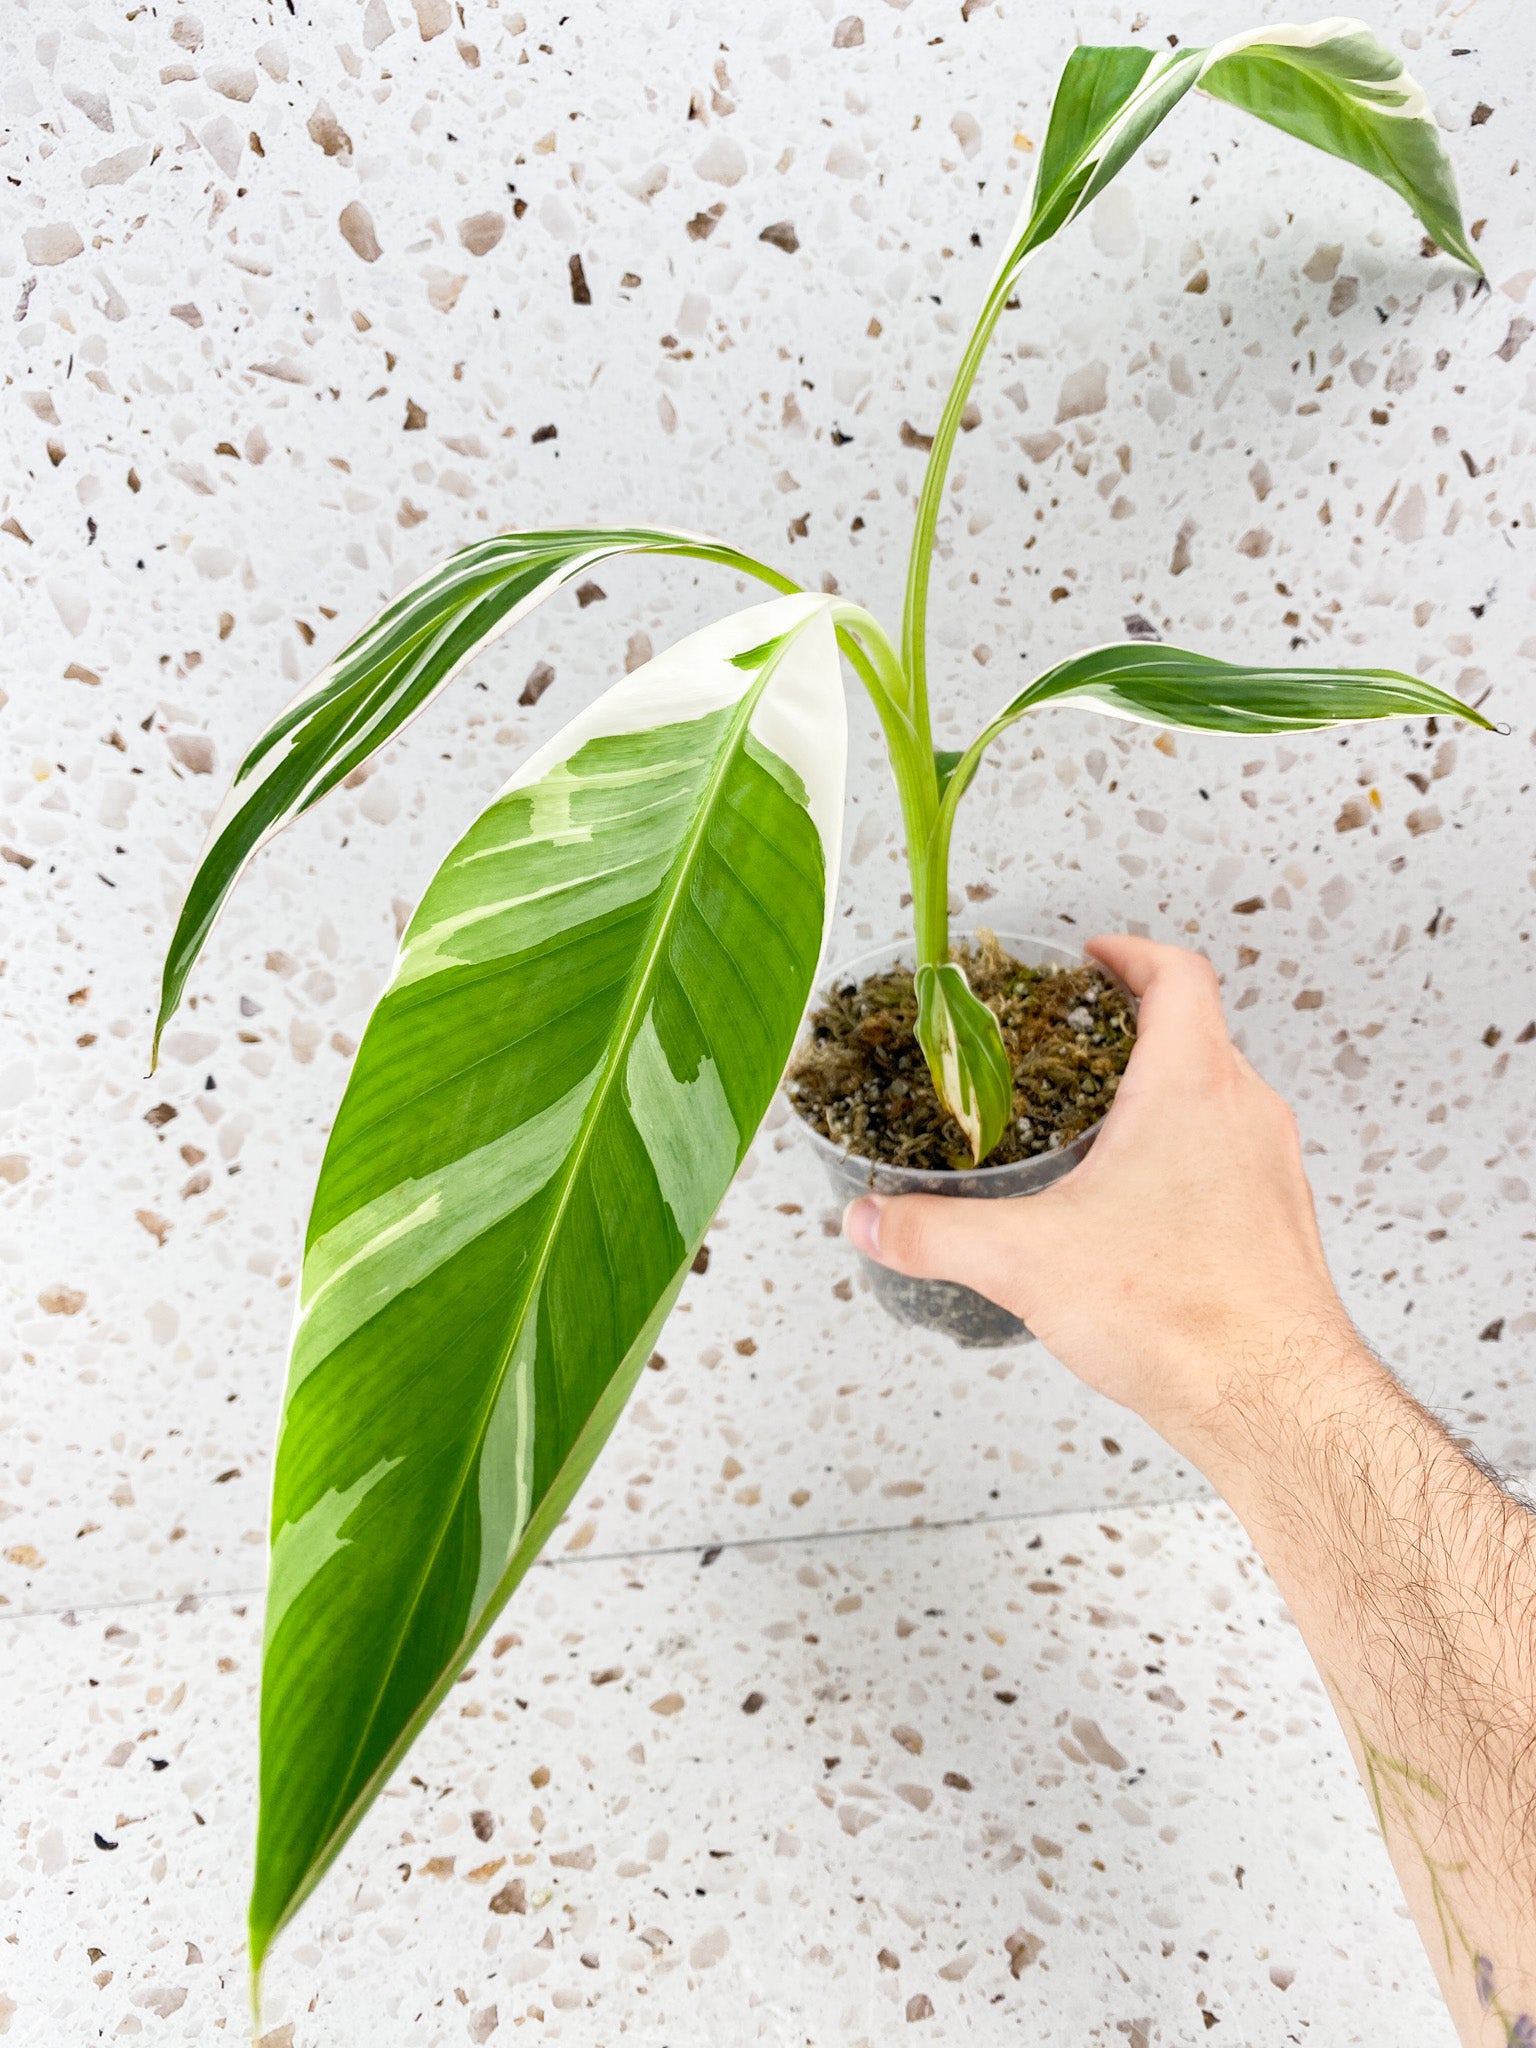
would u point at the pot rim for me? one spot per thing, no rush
(1053, 1164)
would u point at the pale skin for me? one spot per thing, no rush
(1179, 1271)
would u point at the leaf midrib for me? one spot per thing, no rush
(533, 1280)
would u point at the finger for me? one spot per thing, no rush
(1246, 1067)
(1180, 1026)
(980, 1244)
(1135, 960)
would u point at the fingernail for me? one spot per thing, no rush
(861, 1225)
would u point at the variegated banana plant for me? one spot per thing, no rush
(598, 993)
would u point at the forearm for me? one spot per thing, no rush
(1179, 1270)
(1412, 1577)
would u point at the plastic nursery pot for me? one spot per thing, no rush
(959, 1313)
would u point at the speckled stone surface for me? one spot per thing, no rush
(296, 303)
(1071, 1782)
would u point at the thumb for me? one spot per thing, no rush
(937, 1237)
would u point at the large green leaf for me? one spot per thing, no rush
(963, 1045)
(1157, 685)
(592, 1008)
(395, 667)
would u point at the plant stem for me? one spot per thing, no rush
(960, 780)
(747, 565)
(863, 639)
(930, 893)
(914, 623)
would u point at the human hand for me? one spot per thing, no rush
(1178, 1269)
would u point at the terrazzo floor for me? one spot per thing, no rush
(1061, 1782)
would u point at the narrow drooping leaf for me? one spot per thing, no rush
(1167, 686)
(395, 667)
(963, 1045)
(1158, 685)
(1339, 87)
(1331, 83)
(592, 1008)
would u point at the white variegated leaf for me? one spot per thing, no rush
(593, 1006)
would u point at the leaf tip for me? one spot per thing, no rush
(255, 1990)
(173, 979)
(259, 1937)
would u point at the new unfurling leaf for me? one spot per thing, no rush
(1331, 83)
(963, 1046)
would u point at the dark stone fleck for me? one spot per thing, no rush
(540, 676)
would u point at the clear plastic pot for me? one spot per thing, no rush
(962, 1315)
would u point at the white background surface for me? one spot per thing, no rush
(209, 461)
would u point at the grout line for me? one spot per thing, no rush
(78, 1607)
(859, 1534)
(566, 1561)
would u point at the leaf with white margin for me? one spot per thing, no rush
(963, 1045)
(1153, 684)
(1332, 83)
(381, 680)
(593, 1006)
(1108, 100)
(1338, 86)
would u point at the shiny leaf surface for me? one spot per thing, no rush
(591, 1010)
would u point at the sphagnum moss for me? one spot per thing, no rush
(860, 1078)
